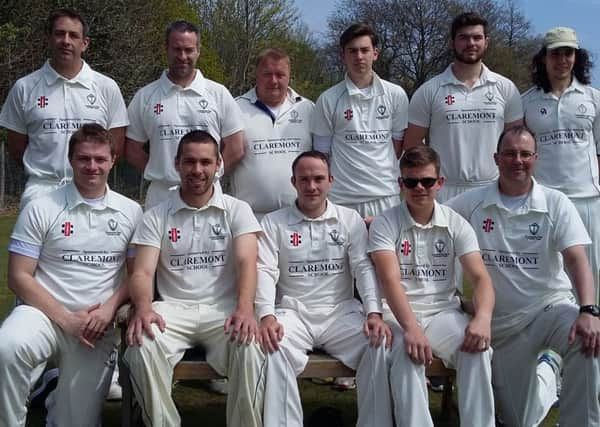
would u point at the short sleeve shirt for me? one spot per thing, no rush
(465, 123)
(262, 178)
(49, 108)
(83, 248)
(363, 159)
(314, 260)
(196, 263)
(426, 253)
(567, 131)
(521, 250)
(162, 112)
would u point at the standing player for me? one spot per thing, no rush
(66, 262)
(180, 101)
(277, 129)
(309, 257)
(528, 230)
(563, 112)
(414, 247)
(44, 108)
(462, 111)
(360, 123)
(202, 246)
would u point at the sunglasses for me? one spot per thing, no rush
(426, 182)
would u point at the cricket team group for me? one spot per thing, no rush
(264, 213)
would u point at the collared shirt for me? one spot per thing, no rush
(49, 108)
(314, 260)
(567, 131)
(196, 263)
(426, 254)
(465, 123)
(262, 178)
(363, 158)
(522, 250)
(162, 112)
(83, 248)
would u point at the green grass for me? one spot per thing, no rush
(197, 404)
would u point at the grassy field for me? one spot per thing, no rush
(197, 404)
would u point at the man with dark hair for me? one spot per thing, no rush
(414, 247)
(181, 100)
(277, 129)
(360, 123)
(461, 112)
(530, 234)
(563, 112)
(67, 256)
(309, 257)
(199, 247)
(44, 108)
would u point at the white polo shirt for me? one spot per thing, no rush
(48, 108)
(262, 178)
(521, 250)
(465, 123)
(197, 264)
(363, 159)
(162, 112)
(567, 131)
(426, 254)
(83, 248)
(314, 260)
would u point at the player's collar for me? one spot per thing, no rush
(448, 77)
(198, 85)
(216, 200)
(353, 90)
(292, 96)
(296, 216)
(438, 219)
(536, 200)
(84, 77)
(75, 199)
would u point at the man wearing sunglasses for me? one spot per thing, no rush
(563, 112)
(530, 233)
(414, 247)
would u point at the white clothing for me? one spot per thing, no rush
(83, 248)
(588, 209)
(374, 207)
(521, 250)
(49, 108)
(464, 123)
(426, 254)
(162, 112)
(363, 159)
(262, 178)
(158, 192)
(196, 243)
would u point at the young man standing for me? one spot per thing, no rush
(414, 247)
(462, 111)
(563, 112)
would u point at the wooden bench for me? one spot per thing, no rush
(320, 365)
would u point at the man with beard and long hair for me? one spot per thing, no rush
(462, 111)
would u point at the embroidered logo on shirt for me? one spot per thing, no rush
(174, 234)
(42, 102)
(158, 108)
(203, 103)
(348, 114)
(449, 100)
(295, 117)
(67, 228)
(216, 232)
(295, 239)
(534, 229)
(337, 238)
(488, 225)
(489, 96)
(543, 111)
(440, 248)
(582, 109)
(113, 225)
(91, 98)
(406, 248)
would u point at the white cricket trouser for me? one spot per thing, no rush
(157, 193)
(374, 207)
(37, 187)
(189, 325)
(515, 379)
(406, 379)
(589, 211)
(27, 339)
(450, 190)
(337, 330)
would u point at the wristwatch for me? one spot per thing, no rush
(592, 309)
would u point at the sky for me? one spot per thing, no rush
(582, 15)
